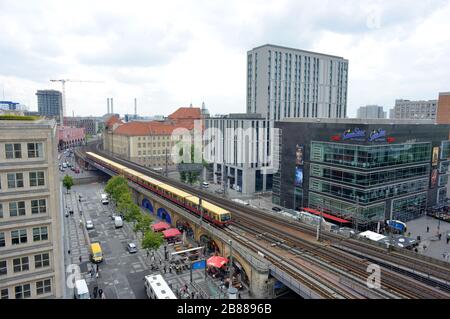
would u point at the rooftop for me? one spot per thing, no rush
(186, 113)
(299, 50)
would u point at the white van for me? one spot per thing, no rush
(157, 288)
(118, 222)
(105, 200)
(81, 290)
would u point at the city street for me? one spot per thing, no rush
(121, 273)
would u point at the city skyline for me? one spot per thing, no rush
(395, 51)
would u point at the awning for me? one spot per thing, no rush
(173, 232)
(160, 226)
(217, 261)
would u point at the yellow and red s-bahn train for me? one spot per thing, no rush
(211, 212)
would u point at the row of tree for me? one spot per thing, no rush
(119, 192)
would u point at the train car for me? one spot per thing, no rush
(210, 212)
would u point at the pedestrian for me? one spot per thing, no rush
(448, 239)
(68, 251)
(147, 253)
(439, 236)
(192, 295)
(96, 267)
(100, 293)
(95, 292)
(165, 269)
(170, 269)
(428, 229)
(160, 261)
(96, 275)
(92, 272)
(80, 258)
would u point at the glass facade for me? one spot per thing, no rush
(346, 209)
(370, 156)
(407, 208)
(366, 196)
(360, 180)
(445, 150)
(365, 179)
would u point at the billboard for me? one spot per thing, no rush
(299, 165)
(434, 177)
(298, 155)
(435, 157)
(298, 176)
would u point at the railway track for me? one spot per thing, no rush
(336, 245)
(391, 282)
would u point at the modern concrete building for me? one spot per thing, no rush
(9, 105)
(291, 83)
(366, 170)
(50, 104)
(239, 148)
(31, 249)
(415, 110)
(370, 112)
(90, 124)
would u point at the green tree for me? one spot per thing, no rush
(134, 213)
(113, 183)
(143, 224)
(68, 182)
(152, 240)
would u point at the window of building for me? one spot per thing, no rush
(19, 236)
(34, 150)
(41, 260)
(4, 293)
(17, 209)
(43, 287)
(21, 264)
(22, 291)
(3, 267)
(40, 233)
(15, 180)
(37, 179)
(13, 151)
(1, 210)
(2, 239)
(38, 206)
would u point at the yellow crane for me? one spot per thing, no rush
(62, 112)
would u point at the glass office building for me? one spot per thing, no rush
(363, 170)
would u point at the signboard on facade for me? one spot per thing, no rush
(435, 158)
(299, 165)
(357, 134)
(434, 178)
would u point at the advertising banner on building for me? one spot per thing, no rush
(435, 156)
(434, 178)
(298, 165)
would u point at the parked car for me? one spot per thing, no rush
(118, 222)
(205, 185)
(276, 209)
(89, 224)
(219, 191)
(76, 170)
(131, 247)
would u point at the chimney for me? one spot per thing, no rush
(107, 102)
(135, 107)
(112, 105)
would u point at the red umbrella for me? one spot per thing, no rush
(160, 226)
(171, 233)
(217, 261)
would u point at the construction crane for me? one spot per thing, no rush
(62, 112)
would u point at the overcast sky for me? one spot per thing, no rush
(168, 54)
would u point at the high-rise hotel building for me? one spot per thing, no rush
(31, 256)
(291, 83)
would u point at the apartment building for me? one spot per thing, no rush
(415, 110)
(291, 83)
(31, 256)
